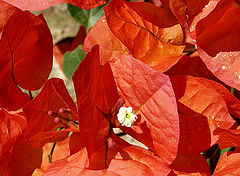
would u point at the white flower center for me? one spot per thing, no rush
(126, 117)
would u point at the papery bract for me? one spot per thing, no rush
(218, 47)
(61, 150)
(228, 164)
(37, 5)
(150, 94)
(199, 10)
(194, 66)
(11, 129)
(191, 164)
(23, 160)
(42, 138)
(41, 125)
(123, 159)
(109, 44)
(175, 132)
(190, 65)
(23, 156)
(202, 109)
(6, 12)
(228, 137)
(233, 103)
(194, 7)
(96, 95)
(178, 8)
(26, 58)
(188, 10)
(17, 156)
(24, 39)
(151, 33)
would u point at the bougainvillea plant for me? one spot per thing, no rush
(165, 73)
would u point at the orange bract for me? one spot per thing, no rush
(228, 164)
(202, 109)
(109, 44)
(37, 5)
(150, 33)
(150, 94)
(123, 159)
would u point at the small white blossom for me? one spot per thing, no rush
(126, 116)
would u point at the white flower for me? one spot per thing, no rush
(126, 117)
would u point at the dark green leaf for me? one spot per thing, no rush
(86, 18)
(71, 60)
(225, 150)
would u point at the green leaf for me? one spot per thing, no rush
(225, 150)
(86, 18)
(71, 60)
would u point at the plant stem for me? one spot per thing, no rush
(2, 172)
(189, 50)
(68, 120)
(232, 90)
(226, 150)
(30, 94)
(51, 153)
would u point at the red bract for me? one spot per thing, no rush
(15, 151)
(23, 160)
(26, 58)
(6, 12)
(151, 96)
(11, 128)
(178, 8)
(41, 129)
(188, 10)
(190, 164)
(179, 121)
(202, 109)
(38, 5)
(109, 44)
(195, 7)
(96, 96)
(123, 159)
(44, 108)
(228, 138)
(61, 150)
(150, 33)
(96, 150)
(199, 13)
(192, 65)
(218, 46)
